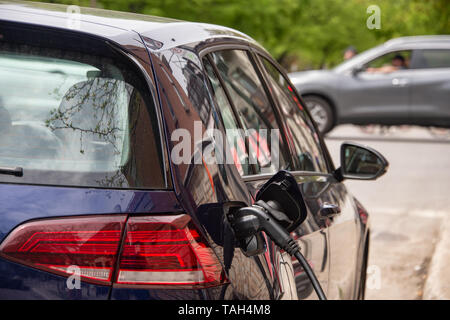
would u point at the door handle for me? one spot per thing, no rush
(399, 82)
(329, 210)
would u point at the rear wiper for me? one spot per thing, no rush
(17, 171)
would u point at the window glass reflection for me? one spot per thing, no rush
(306, 140)
(253, 107)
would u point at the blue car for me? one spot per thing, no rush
(98, 202)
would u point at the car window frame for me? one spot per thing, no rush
(294, 151)
(375, 55)
(385, 53)
(236, 118)
(206, 54)
(328, 160)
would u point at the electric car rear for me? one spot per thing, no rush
(98, 202)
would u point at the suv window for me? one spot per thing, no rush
(432, 58)
(75, 118)
(389, 62)
(253, 109)
(307, 144)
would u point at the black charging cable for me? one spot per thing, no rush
(312, 277)
(262, 216)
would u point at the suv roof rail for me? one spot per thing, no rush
(420, 39)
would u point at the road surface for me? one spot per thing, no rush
(406, 205)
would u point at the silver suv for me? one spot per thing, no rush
(403, 81)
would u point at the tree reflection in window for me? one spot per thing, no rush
(93, 110)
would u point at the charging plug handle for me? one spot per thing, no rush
(248, 221)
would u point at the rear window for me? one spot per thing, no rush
(75, 118)
(433, 58)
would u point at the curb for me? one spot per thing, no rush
(437, 285)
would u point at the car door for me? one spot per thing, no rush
(255, 109)
(244, 105)
(377, 96)
(331, 242)
(430, 86)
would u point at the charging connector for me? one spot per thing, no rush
(266, 216)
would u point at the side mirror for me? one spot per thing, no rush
(357, 69)
(361, 162)
(282, 192)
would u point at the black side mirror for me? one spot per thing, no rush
(361, 162)
(282, 192)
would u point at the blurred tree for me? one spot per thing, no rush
(300, 33)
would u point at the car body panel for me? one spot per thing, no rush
(347, 236)
(430, 93)
(26, 202)
(375, 96)
(18, 282)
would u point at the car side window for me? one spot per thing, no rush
(253, 108)
(236, 142)
(306, 140)
(389, 62)
(430, 58)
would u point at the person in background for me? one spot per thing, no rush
(398, 62)
(350, 52)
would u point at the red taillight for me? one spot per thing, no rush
(166, 250)
(89, 243)
(157, 250)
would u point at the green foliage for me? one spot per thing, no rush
(308, 33)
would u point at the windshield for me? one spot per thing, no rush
(357, 60)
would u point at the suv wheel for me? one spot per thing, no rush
(321, 112)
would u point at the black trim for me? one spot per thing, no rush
(267, 176)
(162, 140)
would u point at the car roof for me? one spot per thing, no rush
(419, 40)
(397, 44)
(167, 33)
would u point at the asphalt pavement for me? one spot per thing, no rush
(409, 208)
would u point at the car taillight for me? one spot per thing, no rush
(156, 250)
(87, 244)
(167, 251)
